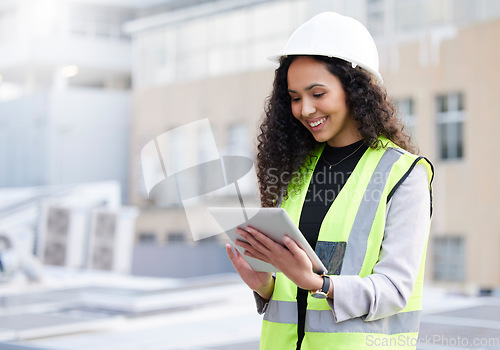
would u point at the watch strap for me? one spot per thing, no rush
(326, 284)
(323, 292)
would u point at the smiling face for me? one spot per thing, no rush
(318, 101)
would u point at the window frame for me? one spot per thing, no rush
(451, 117)
(449, 265)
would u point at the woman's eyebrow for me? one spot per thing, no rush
(307, 88)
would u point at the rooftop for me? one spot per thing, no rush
(76, 309)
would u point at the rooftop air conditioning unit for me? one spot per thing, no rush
(62, 234)
(111, 239)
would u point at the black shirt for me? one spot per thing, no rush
(331, 173)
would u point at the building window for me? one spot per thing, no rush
(407, 113)
(176, 236)
(147, 238)
(449, 258)
(450, 119)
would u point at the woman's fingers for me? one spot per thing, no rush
(234, 257)
(259, 246)
(257, 281)
(262, 238)
(237, 259)
(229, 251)
(254, 238)
(265, 245)
(290, 258)
(251, 251)
(257, 256)
(291, 245)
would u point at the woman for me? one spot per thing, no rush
(348, 180)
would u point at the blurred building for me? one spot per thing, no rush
(439, 62)
(207, 59)
(65, 69)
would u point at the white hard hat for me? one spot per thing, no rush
(333, 35)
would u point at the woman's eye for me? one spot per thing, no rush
(295, 99)
(318, 95)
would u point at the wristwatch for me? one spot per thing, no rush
(323, 292)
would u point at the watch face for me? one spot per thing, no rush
(319, 295)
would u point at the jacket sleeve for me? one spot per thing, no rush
(387, 290)
(261, 303)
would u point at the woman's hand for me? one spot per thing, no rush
(260, 282)
(291, 259)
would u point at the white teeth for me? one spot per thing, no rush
(318, 122)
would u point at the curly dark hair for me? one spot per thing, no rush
(284, 142)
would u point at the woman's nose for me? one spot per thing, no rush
(307, 108)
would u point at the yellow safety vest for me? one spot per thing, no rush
(357, 218)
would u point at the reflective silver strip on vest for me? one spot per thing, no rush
(358, 238)
(323, 322)
(281, 312)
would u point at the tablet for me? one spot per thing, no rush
(274, 222)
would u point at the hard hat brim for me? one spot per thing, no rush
(375, 74)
